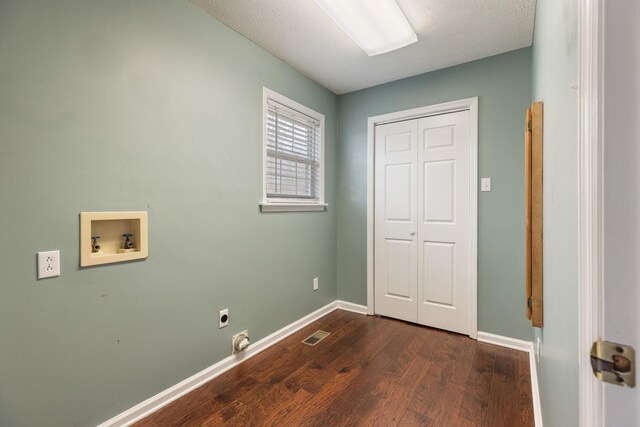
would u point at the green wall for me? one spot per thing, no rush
(503, 86)
(141, 105)
(154, 105)
(555, 70)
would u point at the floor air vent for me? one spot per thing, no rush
(315, 338)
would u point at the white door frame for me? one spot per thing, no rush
(470, 104)
(590, 207)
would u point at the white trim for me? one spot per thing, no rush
(470, 104)
(590, 249)
(349, 306)
(502, 341)
(535, 390)
(167, 396)
(473, 217)
(371, 132)
(160, 400)
(290, 206)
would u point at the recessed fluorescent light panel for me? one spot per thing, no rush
(377, 26)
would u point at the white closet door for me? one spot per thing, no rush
(396, 267)
(443, 221)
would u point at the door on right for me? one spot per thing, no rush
(621, 135)
(443, 222)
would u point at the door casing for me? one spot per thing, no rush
(594, 135)
(470, 104)
(590, 225)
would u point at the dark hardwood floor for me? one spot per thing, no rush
(369, 371)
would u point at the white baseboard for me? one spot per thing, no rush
(349, 306)
(520, 345)
(167, 396)
(535, 391)
(507, 342)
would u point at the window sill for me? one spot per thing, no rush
(292, 207)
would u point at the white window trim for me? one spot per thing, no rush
(289, 205)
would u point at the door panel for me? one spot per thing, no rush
(439, 273)
(439, 191)
(402, 141)
(444, 227)
(439, 137)
(399, 268)
(395, 253)
(399, 192)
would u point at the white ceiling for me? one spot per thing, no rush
(450, 32)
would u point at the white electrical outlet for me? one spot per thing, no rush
(315, 283)
(48, 264)
(224, 318)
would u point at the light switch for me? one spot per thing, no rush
(485, 184)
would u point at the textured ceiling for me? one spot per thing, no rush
(449, 32)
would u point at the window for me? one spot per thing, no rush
(293, 171)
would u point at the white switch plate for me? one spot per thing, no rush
(315, 283)
(48, 264)
(485, 184)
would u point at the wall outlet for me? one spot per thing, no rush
(315, 283)
(223, 318)
(48, 264)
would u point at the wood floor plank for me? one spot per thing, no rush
(357, 397)
(267, 399)
(361, 347)
(318, 404)
(219, 417)
(437, 400)
(411, 418)
(200, 401)
(439, 396)
(502, 409)
(398, 393)
(276, 370)
(220, 405)
(370, 371)
(403, 356)
(375, 358)
(279, 415)
(458, 421)
(525, 405)
(476, 397)
(330, 323)
(329, 402)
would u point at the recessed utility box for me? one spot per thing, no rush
(107, 237)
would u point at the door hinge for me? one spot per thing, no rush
(614, 363)
(530, 302)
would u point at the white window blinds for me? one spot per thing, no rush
(293, 163)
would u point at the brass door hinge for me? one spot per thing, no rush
(614, 363)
